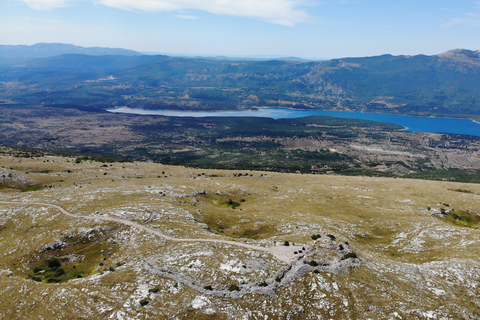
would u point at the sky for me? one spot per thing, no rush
(313, 29)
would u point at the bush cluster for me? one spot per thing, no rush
(350, 255)
(144, 302)
(233, 287)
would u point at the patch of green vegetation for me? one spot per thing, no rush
(316, 236)
(50, 272)
(25, 152)
(33, 188)
(467, 176)
(154, 290)
(263, 284)
(464, 219)
(78, 259)
(144, 302)
(76, 274)
(233, 204)
(219, 200)
(233, 287)
(45, 171)
(462, 190)
(352, 255)
(258, 232)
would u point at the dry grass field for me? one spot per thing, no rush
(410, 265)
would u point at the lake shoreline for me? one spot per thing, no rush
(410, 123)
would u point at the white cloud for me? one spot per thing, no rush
(45, 4)
(284, 12)
(472, 20)
(186, 16)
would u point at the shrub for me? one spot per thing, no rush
(263, 284)
(154, 290)
(208, 287)
(340, 247)
(350, 255)
(144, 302)
(59, 272)
(37, 269)
(278, 279)
(233, 287)
(331, 236)
(316, 236)
(233, 204)
(313, 263)
(286, 243)
(53, 263)
(38, 279)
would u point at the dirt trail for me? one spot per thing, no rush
(281, 253)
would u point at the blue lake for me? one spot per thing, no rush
(427, 124)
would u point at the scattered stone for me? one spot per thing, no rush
(54, 246)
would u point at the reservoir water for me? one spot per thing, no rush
(427, 124)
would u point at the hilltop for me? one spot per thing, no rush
(365, 247)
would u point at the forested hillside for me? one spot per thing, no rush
(440, 85)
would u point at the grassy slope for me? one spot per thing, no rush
(386, 221)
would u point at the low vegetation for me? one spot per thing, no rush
(83, 254)
(464, 218)
(53, 272)
(233, 287)
(316, 236)
(349, 255)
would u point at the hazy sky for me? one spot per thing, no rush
(303, 28)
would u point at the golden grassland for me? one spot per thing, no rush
(413, 265)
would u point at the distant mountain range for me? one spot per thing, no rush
(447, 84)
(42, 50)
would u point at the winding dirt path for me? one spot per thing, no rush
(281, 253)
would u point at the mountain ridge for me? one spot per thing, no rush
(43, 50)
(447, 84)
